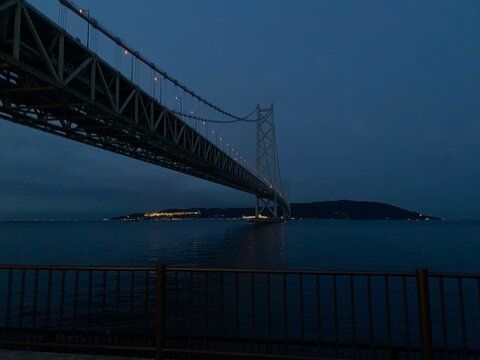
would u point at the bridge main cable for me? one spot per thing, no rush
(77, 10)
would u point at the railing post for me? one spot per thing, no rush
(160, 312)
(424, 313)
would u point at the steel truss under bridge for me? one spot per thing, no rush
(52, 82)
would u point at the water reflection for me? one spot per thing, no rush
(357, 245)
(225, 244)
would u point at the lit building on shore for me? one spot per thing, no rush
(172, 214)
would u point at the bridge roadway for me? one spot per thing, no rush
(51, 82)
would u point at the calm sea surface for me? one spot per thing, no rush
(335, 245)
(317, 307)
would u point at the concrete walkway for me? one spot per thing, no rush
(33, 355)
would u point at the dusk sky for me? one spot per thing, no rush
(374, 100)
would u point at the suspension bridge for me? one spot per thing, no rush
(57, 82)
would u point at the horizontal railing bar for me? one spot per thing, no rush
(453, 275)
(226, 340)
(341, 345)
(293, 271)
(68, 332)
(279, 356)
(328, 344)
(245, 354)
(76, 267)
(76, 345)
(238, 270)
(310, 344)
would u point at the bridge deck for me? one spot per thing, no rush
(50, 81)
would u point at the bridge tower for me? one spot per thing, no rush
(267, 162)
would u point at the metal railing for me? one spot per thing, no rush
(180, 313)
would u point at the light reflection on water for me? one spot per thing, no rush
(356, 245)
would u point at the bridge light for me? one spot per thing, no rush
(80, 11)
(221, 139)
(155, 78)
(125, 52)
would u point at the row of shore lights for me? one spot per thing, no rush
(193, 113)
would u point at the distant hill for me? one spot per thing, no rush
(354, 210)
(342, 209)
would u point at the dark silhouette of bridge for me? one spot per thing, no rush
(52, 81)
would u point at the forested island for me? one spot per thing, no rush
(342, 209)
